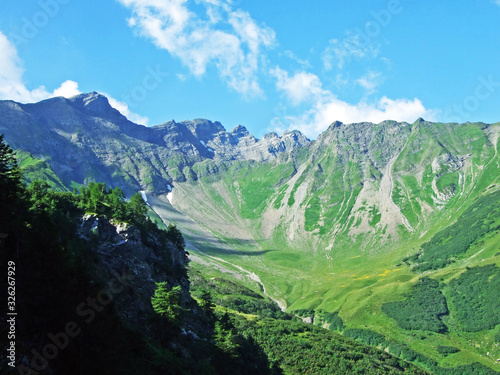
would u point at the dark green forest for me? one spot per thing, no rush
(474, 296)
(307, 349)
(403, 351)
(422, 309)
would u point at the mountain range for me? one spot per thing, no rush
(351, 223)
(88, 139)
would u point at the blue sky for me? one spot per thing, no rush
(270, 66)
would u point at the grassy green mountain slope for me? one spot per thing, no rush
(37, 169)
(334, 225)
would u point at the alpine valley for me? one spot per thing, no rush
(387, 233)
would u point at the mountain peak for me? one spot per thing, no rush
(296, 135)
(240, 131)
(204, 129)
(95, 104)
(335, 124)
(270, 135)
(92, 100)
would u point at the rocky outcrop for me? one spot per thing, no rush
(131, 265)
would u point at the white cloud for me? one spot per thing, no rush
(123, 108)
(331, 109)
(370, 81)
(294, 57)
(67, 89)
(10, 64)
(299, 88)
(341, 52)
(327, 107)
(12, 86)
(11, 77)
(228, 39)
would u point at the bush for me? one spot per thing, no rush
(442, 349)
(422, 309)
(366, 336)
(474, 296)
(334, 320)
(302, 348)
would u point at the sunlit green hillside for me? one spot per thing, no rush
(354, 221)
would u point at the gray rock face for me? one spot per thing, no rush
(376, 143)
(125, 263)
(83, 138)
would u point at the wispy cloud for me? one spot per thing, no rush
(325, 107)
(340, 52)
(228, 39)
(304, 63)
(370, 81)
(12, 86)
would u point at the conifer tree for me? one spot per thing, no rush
(10, 186)
(207, 304)
(175, 236)
(167, 302)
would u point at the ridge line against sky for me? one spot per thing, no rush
(279, 66)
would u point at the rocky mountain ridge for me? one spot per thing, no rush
(84, 138)
(358, 183)
(359, 179)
